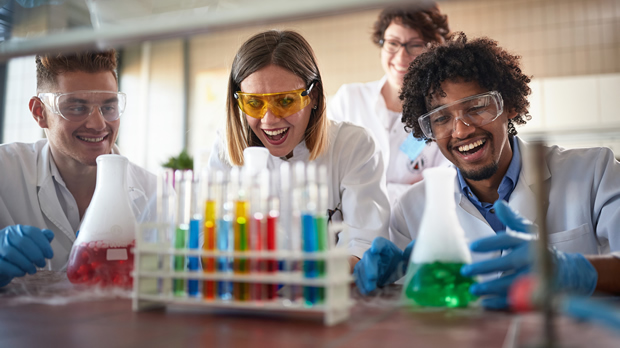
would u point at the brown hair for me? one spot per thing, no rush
(288, 50)
(50, 66)
(424, 17)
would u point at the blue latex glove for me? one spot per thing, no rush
(573, 273)
(382, 264)
(21, 248)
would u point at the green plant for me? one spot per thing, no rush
(183, 161)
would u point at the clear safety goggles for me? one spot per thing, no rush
(282, 104)
(476, 111)
(77, 106)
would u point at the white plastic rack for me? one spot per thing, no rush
(153, 277)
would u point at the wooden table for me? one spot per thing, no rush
(88, 321)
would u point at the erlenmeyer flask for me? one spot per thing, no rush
(101, 254)
(433, 277)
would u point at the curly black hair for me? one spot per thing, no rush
(480, 60)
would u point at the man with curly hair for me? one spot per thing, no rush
(467, 97)
(47, 186)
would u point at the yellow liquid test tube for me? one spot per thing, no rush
(209, 245)
(241, 290)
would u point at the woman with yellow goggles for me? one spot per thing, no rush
(276, 101)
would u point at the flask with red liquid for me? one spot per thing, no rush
(102, 253)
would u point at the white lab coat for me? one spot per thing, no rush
(583, 212)
(30, 187)
(355, 181)
(362, 104)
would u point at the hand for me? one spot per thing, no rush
(21, 248)
(382, 264)
(573, 273)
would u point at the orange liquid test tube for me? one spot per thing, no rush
(209, 245)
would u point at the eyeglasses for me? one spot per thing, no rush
(79, 105)
(414, 48)
(282, 104)
(476, 111)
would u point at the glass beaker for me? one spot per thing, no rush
(101, 254)
(433, 277)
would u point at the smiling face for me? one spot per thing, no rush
(481, 153)
(395, 65)
(78, 143)
(278, 135)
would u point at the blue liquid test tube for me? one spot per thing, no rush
(224, 234)
(309, 231)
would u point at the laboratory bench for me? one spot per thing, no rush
(44, 310)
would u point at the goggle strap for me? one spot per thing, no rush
(307, 91)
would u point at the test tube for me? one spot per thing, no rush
(258, 204)
(166, 221)
(321, 224)
(273, 207)
(309, 230)
(241, 290)
(193, 264)
(209, 188)
(224, 227)
(299, 197)
(285, 224)
(183, 191)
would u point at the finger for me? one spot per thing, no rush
(25, 247)
(40, 240)
(510, 217)
(12, 255)
(495, 303)
(408, 250)
(500, 241)
(8, 269)
(517, 259)
(499, 286)
(378, 244)
(48, 234)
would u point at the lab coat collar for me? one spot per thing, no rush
(48, 199)
(527, 184)
(300, 152)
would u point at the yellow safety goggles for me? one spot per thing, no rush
(282, 104)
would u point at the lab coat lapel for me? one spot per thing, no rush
(474, 224)
(523, 198)
(48, 200)
(383, 143)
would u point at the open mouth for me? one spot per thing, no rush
(474, 147)
(276, 135)
(92, 140)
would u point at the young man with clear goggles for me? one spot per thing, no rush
(48, 184)
(467, 97)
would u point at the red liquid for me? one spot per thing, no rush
(89, 264)
(272, 265)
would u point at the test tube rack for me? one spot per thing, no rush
(152, 278)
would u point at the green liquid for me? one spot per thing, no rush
(439, 284)
(179, 260)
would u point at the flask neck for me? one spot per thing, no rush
(111, 174)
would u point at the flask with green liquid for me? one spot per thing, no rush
(433, 277)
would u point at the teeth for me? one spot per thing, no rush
(272, 133)
(92, 140)
(464, 148)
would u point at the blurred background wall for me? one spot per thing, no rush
(177, 88)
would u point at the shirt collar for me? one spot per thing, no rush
(509, 182)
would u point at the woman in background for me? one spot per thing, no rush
(276, 100)
(402, 33)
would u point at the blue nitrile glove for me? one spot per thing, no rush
(573, 273)
(21, 248)
(382, 264)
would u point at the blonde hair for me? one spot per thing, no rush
(288, 50)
